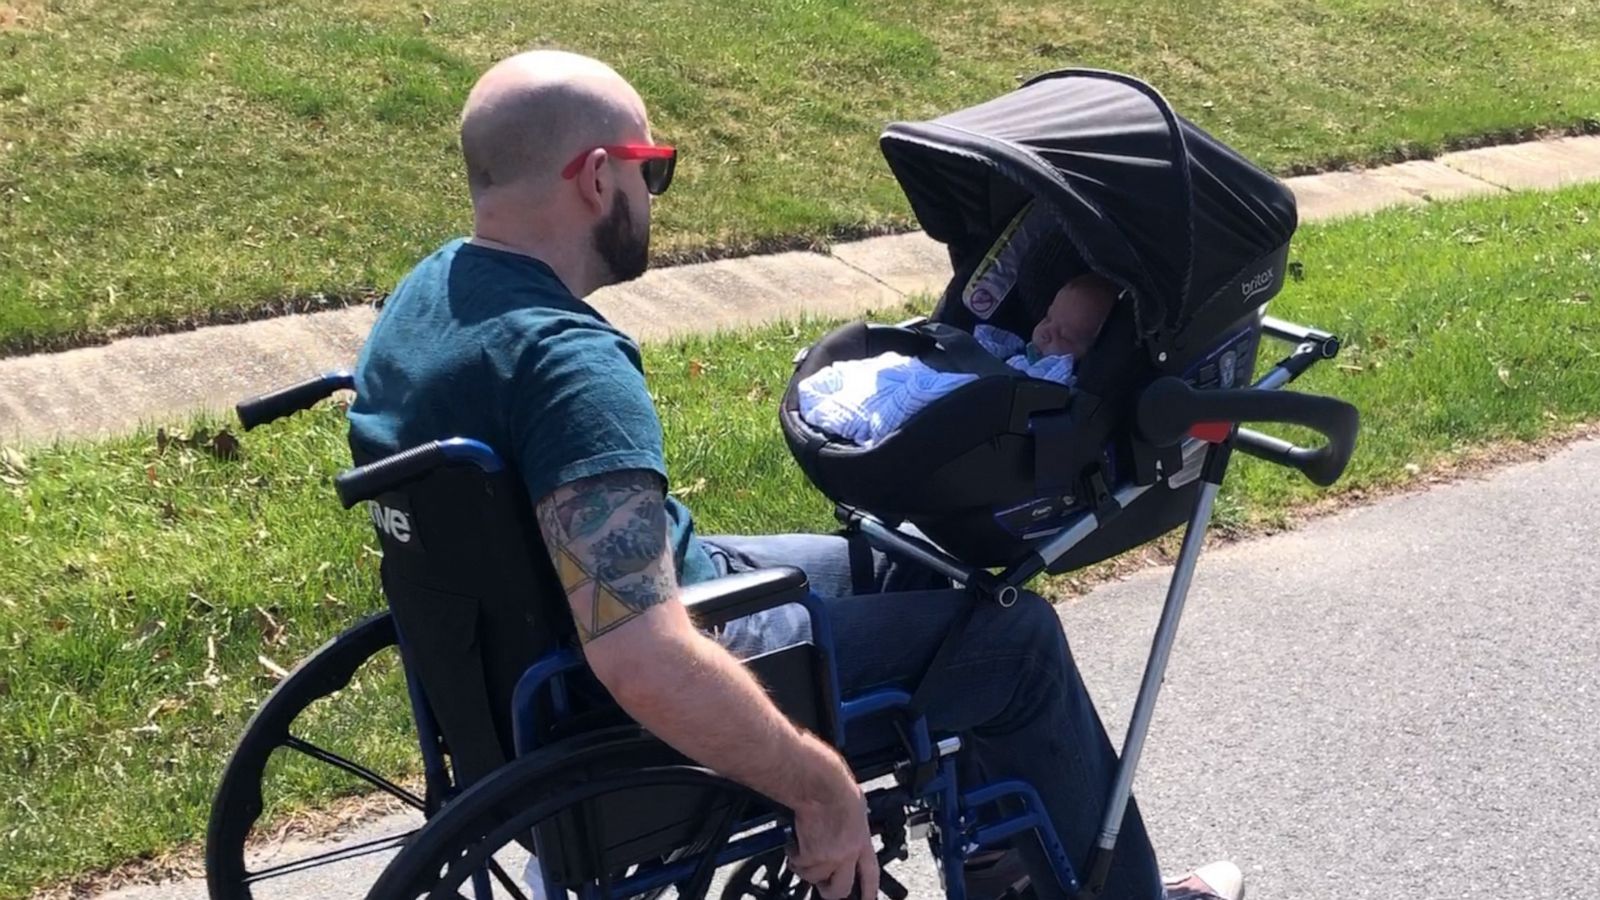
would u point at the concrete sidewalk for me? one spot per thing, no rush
(112, 388)
(1395, 702)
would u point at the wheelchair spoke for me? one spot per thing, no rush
(700, 883)
(356, 769)
(789, 884)
(338, 854)
(506, 881)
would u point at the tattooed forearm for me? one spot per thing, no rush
(608, 538)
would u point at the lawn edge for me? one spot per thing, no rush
(12, 347)
(819, 241)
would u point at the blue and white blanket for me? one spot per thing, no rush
(864, 400)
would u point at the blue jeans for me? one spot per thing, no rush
(1011, 689)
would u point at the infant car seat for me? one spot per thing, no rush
(1077, 171)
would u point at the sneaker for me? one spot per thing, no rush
(997, 875)
(1218, 881)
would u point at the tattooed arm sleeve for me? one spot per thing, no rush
(608, 538)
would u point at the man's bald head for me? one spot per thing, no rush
(529, 115)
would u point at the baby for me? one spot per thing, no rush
(1069, 328)
(864, 400)
(1076, 314)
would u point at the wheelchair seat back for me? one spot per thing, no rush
(475, 599)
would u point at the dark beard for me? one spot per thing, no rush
(625, 252)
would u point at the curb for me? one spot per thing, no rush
(114, 388)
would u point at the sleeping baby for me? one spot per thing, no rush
(863, 400)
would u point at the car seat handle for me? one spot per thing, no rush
(1169, 409)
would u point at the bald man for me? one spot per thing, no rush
(489, 338)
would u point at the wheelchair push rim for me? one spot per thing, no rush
(767, 877)
(451, 851)
(240, 798)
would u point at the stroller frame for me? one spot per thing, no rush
(1206, 460)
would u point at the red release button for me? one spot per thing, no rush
(1211, 432)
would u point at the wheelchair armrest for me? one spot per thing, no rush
(721, 600)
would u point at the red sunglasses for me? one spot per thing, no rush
(657, 163)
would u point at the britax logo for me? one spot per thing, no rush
(1261, 282)
(393, 522)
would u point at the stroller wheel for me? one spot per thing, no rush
(323, 729)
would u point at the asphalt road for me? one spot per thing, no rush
(1399, 701)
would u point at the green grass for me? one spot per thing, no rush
(169, 161)
(126, 564)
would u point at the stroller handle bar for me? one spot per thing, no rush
(1170, 408)
(295, 398)
(1277, 450)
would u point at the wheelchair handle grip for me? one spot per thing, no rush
(287, 401)
(369, 481)
(1169, 408)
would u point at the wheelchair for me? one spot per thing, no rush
(522, 758)
(511, 751)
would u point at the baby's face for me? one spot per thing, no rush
(1075, 316)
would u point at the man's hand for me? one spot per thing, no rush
(833, 842)
(608, 538)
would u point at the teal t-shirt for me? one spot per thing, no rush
(486, 344)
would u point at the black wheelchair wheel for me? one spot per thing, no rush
(480, 836)
(766, 877)
(277, 729)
